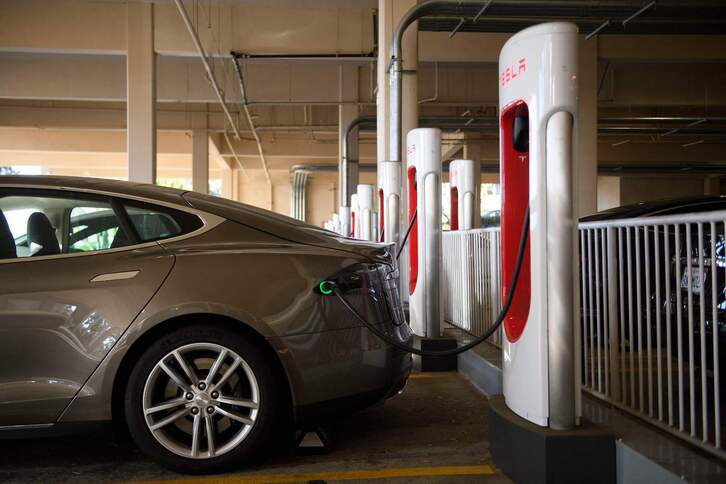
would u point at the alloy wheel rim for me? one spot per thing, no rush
(201, 400)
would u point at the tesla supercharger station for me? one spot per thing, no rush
(345, 221)
(538, 80)
(335, 222)
(423, 179)
(538, 107)
(354, 218)
(389, 201)
(365, 216)
(463, 194)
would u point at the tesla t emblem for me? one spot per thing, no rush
(512, 72)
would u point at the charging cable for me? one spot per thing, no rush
(500, 318)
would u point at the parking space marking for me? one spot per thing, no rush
(479, 470)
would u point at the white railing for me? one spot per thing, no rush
(652, 291)
(471, 280)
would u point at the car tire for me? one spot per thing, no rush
(241, 419)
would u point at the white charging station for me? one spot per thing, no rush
(464, 201)
(345, 221)
(354, 217)
(365, 217)
(423, 178)
(335, 222)
(389, 201)
(538, 110)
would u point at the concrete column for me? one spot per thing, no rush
(200, 153)
(385, 31)
(200, 161)
(586, 169)
(140, 93)
(409, 114)
(390, 12)
(472, 151)
(236, 189)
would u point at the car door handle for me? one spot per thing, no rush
(115, 276)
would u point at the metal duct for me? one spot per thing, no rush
(298, 195)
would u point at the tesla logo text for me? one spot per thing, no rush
(410, 150)
(512, 72)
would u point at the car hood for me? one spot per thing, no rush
(286, 228)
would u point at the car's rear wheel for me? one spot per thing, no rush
(201, 399)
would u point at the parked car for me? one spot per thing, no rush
(197, 322)
(694, 282)
(490, 218)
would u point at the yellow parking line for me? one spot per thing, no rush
(338, 476)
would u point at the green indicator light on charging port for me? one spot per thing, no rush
(325, 287)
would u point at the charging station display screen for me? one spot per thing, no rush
(514, 174)
(454, 212)
(381, 214)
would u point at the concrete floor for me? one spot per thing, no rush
(435, 432)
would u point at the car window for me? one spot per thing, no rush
(93, 228)
(48, 222)
(153, 222)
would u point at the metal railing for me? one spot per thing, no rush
(471, 280)
(653, 320)
(653, 305)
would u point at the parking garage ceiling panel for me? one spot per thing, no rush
(662, 17)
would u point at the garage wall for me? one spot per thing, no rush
(641, 188)
(608, 192)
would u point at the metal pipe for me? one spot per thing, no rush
(436, 86)
(597, 30)
(207, 67)
(265, 58)
(456, 29)
(638, 13)
(346, 183)
(482, 10)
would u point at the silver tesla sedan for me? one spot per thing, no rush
(200, 324)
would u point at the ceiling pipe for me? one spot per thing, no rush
(348, 168)
(453, 9)
(275, 58)
(207, 67)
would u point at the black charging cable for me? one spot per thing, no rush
(500, 318)
(408, 232)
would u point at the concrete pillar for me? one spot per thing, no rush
(472, 151)
(236, 189)
(228, 167)
(200, 161)
(385, 31)
(409, 115)
(586, 175)
(140, 92)
(200, 153)
(389, 14)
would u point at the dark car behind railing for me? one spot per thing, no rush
(691, 288)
